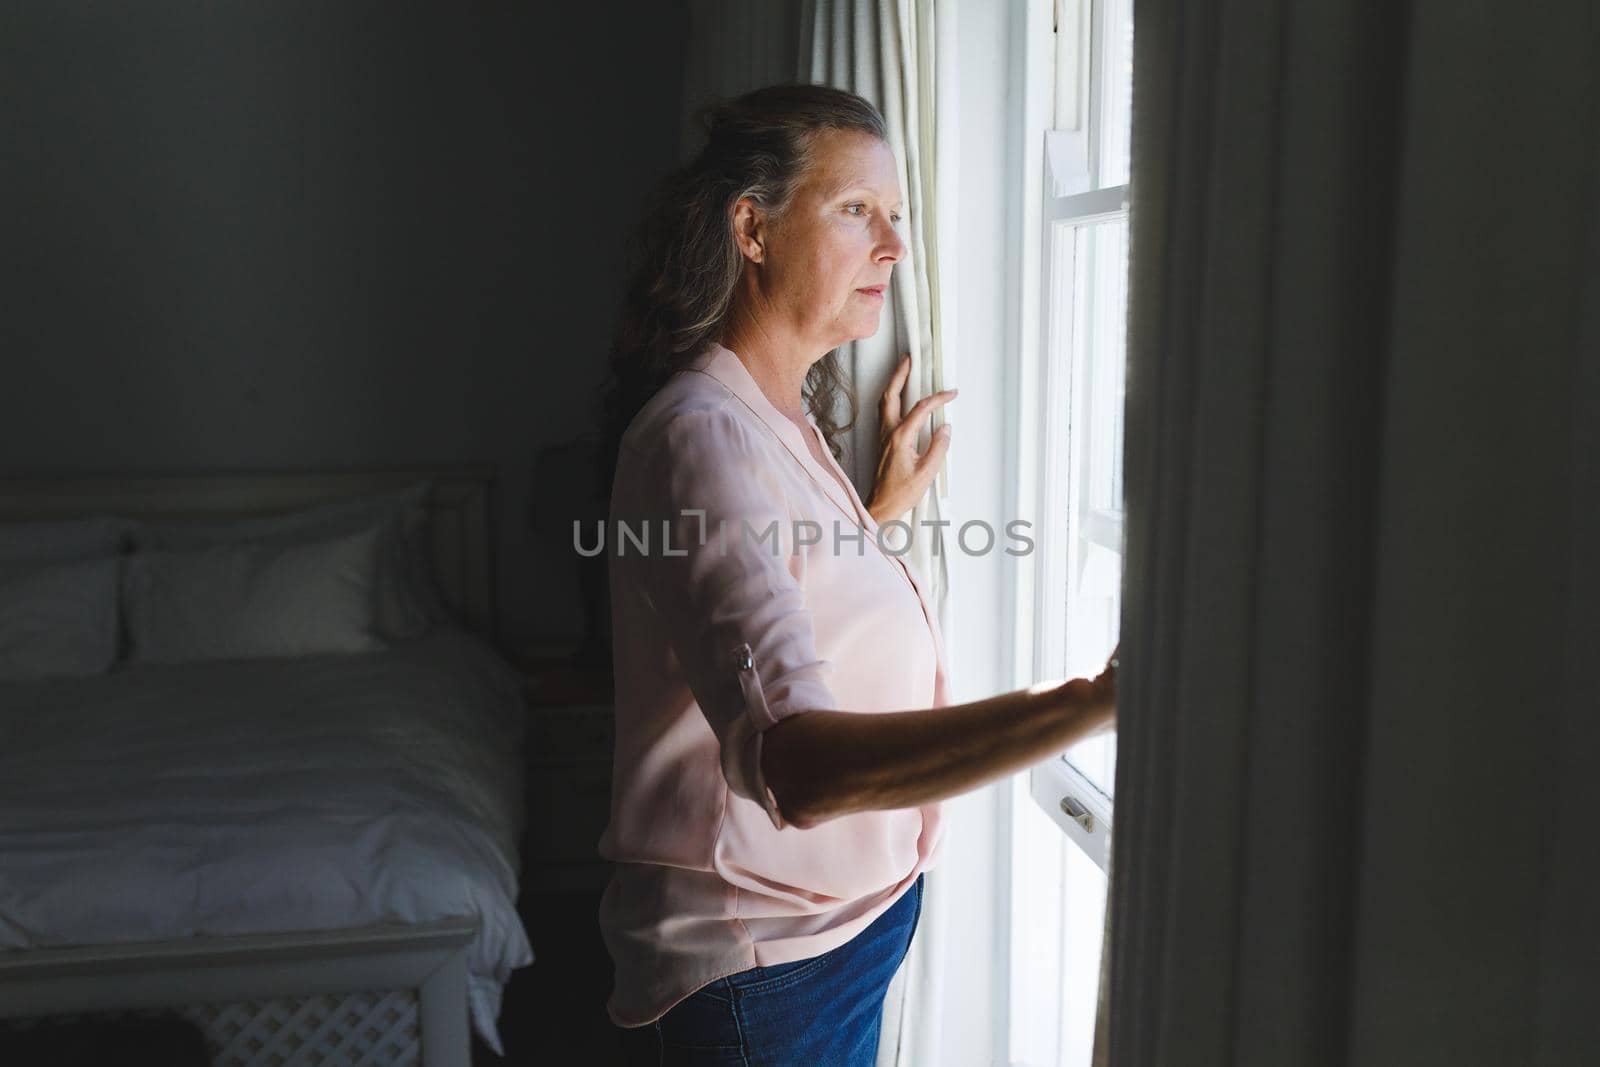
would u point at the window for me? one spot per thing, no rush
(1081, 65)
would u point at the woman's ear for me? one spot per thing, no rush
(749, 229)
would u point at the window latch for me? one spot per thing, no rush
(1078, 813)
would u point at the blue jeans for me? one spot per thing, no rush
(820, 1012)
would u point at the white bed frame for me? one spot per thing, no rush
(382, 995)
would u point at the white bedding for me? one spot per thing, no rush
(161, 802)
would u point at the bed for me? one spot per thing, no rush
(312, 858)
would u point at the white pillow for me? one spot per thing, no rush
(405, 598)
(253, 600)
(58, 619)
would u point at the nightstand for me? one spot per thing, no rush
(571, 732)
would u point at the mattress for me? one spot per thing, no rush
(162, 802)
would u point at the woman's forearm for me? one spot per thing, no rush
(823, 764)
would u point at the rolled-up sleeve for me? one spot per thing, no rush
(721, 584)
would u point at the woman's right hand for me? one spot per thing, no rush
(1105, 683)
(1099, 693)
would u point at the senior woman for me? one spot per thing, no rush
(784, 734)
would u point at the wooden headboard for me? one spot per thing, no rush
(458, 511)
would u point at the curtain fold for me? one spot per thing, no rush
(885, 51)
(1361, 416)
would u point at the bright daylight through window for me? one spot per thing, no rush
(1069, 606)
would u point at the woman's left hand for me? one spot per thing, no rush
(903, 473)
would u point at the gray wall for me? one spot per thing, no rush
(284, 236)
(735, 46)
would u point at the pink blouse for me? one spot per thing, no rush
(770, 596)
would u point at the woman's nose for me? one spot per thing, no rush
(891, 246)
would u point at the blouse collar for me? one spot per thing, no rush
(722, 364)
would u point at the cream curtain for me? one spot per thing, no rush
(885, 51)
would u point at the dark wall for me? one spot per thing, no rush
(285, 236)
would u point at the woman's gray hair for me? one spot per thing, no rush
(685, 263)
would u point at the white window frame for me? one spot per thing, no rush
(1055, 466)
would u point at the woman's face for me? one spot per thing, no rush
(825, 262)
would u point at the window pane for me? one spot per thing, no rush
(1096, 758)
(1083, 907)
(1096, 289)
(1058, 923)
(1092, 623)
(1115, 91)
(1107, 360)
